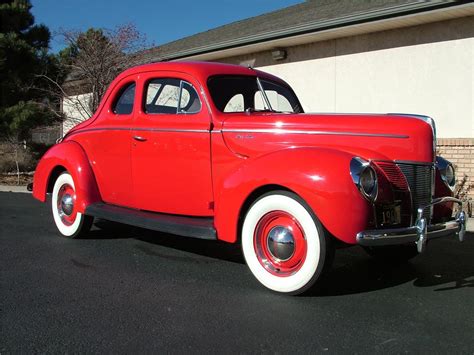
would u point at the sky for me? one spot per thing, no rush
(160, 21)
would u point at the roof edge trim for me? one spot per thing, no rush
(390, 12)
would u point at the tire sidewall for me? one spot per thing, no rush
(74, 229)
(313, 264)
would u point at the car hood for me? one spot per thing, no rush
(371, 136)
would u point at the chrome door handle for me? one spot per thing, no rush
(139, 138)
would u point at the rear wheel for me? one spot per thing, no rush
(284, 244)
(70, 222)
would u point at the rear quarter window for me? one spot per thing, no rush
(123, 103)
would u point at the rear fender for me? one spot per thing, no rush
(68, 156)
(318, 175)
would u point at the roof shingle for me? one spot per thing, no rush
(288, 18)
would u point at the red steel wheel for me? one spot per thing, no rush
(280, 243)
(66, 204)
(283, 242)
(69, 221)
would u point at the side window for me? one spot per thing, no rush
(235, 104)
(277, 101)
(259, 102)
(170, 96)
(124, 100)
(190, 102)
(162, 96)
(280, 97)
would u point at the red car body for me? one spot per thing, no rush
(212, 165)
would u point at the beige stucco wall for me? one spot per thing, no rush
(76, 109)
(426, 69)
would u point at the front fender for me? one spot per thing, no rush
(70, 156)
(321, 176)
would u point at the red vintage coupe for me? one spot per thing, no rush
(225, 152)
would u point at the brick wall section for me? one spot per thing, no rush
(460, 152)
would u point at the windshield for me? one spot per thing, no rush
(239, 93)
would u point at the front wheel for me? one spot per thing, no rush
(283, 243)
(70, 222)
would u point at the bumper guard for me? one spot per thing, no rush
(420, 232)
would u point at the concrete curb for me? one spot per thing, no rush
(470, 224)
(13, 188)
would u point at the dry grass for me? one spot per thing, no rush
(12, 180)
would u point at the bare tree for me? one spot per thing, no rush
(92, 60)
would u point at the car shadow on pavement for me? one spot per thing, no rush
(452, 266)
(449, 282)
(103, 229)
(353, 271)
(208, 248)
(448, 265)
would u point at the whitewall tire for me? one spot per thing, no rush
(283, 242)
(69, 221)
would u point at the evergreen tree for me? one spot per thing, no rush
(24, 60)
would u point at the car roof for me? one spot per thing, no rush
(200, 70)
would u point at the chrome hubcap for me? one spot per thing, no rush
(281, 243)
(67, 204)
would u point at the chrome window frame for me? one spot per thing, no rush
(178, 107)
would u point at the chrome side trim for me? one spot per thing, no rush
(271, 131)
(330, 133)
(143, 130)
(172, 130)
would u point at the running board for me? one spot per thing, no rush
(196, 227)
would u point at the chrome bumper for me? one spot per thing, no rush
(420, 232)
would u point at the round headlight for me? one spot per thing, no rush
(449, 175)
(446, 170)
(364, 177)
(368, 181)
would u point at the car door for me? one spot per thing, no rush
(108, 144)
(171, 162)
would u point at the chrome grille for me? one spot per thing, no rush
(419, 178)
(394, 175)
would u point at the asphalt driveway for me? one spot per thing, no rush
(130, 290)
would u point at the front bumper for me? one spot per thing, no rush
(420, 232)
